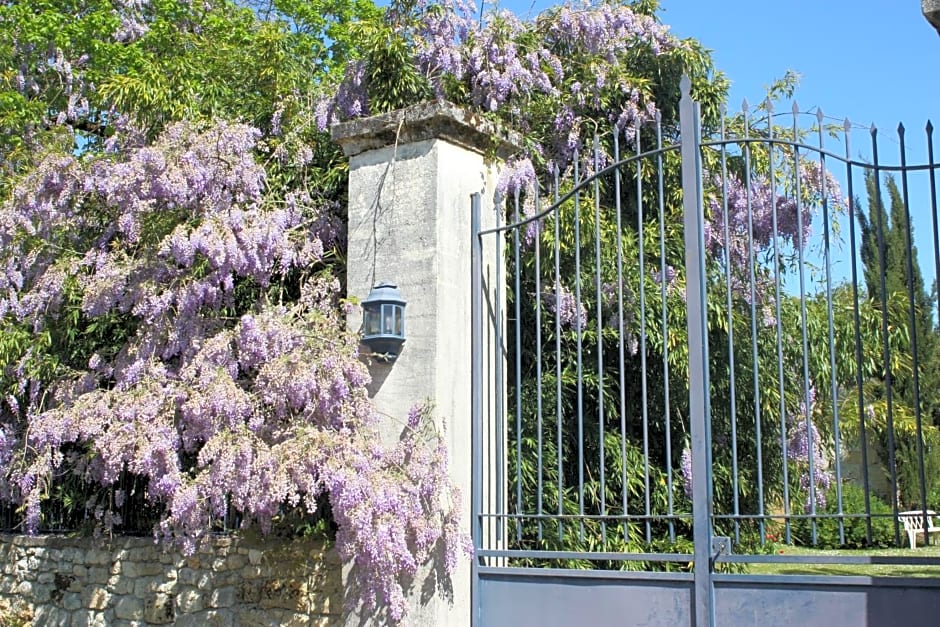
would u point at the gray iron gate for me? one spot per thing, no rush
(633, 339)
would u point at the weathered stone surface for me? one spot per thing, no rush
(51, 616)
(159, 609)
(95, 598)
(189, 601)
(71, 601)
(286, 594)
(98, 574)
(421, 122)
(133, 582)
(87, 618)
(222, 597)
(129, 608)
(207, 618)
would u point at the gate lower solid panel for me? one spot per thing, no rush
(522, 597)
(772, 601)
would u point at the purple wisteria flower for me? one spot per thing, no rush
(570, 312)
(804, 444)
(685, 469)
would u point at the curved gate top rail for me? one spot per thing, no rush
(692, 360)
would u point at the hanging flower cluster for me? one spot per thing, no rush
(804, 444)
(203, 380)
(578, 56)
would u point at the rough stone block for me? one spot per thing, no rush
(98, 558)
(235, 561)
(129, 608)
(129, 569)
(159, 609)
(51, 616)
(222, 597)
(150, 568)
(265, 618)
(254, 556)
(248, 592)
(98, 574)
(209, 618)
(88, 618)
(188, 576)
(121, 585)
(71, 601)
(188, 601)
(95, 598)
(288, 594)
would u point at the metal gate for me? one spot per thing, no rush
(697, 364)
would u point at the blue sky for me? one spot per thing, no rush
(872, 61)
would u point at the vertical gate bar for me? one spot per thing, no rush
(560, 452)
(863, 435)
(932, 170)
(579, 328)
(912, 319)
(663, 285)
(517, 297)
(777, 311)
(623, 391)
(600, 341)
(643, 382)
(694, 233)
(933, 206)
(829, 318)
(476, 404)
(752, 270)
(730, 305)
(801, 267)
(538, 358)
(500, 428)
(884, 332)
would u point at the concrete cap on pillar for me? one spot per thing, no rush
(931, 10)
(427, 120)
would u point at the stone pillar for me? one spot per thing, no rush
(411, 176)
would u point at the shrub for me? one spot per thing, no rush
(854, 521)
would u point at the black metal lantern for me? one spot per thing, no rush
(383, 321)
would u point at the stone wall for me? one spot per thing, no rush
(58, 580)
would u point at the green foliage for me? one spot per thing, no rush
(194, 60)
(854, 522)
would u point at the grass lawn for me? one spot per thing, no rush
(868, 570)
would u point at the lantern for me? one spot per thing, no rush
(383, 321)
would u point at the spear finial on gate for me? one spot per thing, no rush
(685, 86)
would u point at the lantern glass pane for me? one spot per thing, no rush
(399, 321)
(371, 322)
(388, 319)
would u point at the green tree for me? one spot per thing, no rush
(892, 271)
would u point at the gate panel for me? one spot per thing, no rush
(588, 392)
(694, 406)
